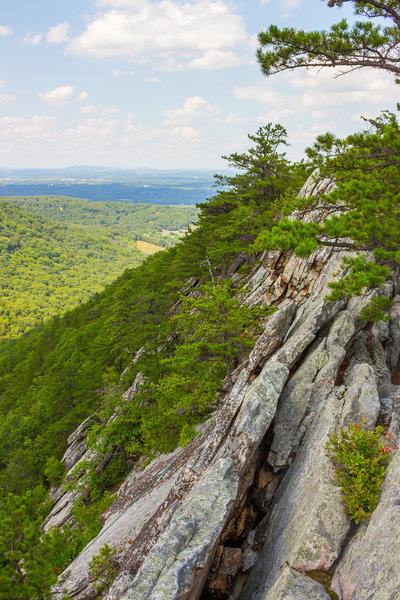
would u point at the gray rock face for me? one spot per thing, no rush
(307, 525)
(273, 336)
(309, 386)
(197, 525)
(121, 526)
(259, 406)
(292, 585)
(188, 544)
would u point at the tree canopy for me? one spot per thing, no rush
(231, 219)
(363, 44)
(361, 215)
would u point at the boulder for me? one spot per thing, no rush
(292, 585)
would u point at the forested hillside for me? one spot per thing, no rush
(157, 224)
(50, 266)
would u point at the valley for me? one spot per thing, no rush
(57, 252)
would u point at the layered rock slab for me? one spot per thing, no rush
(292, 585)
(307, 525)
(176, 566)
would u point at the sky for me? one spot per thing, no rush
(164, 83)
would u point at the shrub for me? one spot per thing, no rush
(102, 570)
(54, 471)
(360, 457)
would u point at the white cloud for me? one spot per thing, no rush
(185, 132)
(119, 73)
(324, 126)
(88, 109)
(216, 59)
(285, 6)
(231, 120)
(259, 93)
(58, 34)
(323, 89)
(5, 30)
(83, 96)
(120, 3)
(153, 80)
(196, 107)
(192, 108)
(33, 39)
(5, 97)
(47, 141)
(283, 3)
(201, 34)
(319, 114)
(101, 112)
(62, 95)
(18, 128)
(276, 116)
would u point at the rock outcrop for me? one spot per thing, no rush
(249, 508)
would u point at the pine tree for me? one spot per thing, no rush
(25, 572)
(230, 221)
(212, 332)
(362, 213)
(362, 45)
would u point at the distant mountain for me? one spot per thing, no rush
(155, 186)
(98, 173)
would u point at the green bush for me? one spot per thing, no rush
(54, 471)
(65, 543)
(360, 457)
(102, 570)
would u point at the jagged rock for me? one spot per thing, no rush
(393, 342)
(307, 524)
(123, 521)
(369, 569)
(76, 445)
(63, 500)
(226, 564)
(292, 585)
(127, 519)
(311, 383)
(273, 336)
(257, 410)
(254, 417)
(77, 451)
(171, 568)
(250, 558)
(361, 400)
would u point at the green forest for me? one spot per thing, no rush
(79, 364)
(159, 224)
(51, 263)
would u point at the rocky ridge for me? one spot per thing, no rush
(248, 509)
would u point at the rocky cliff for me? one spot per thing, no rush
(248, 510)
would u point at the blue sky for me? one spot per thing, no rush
(163, 83)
